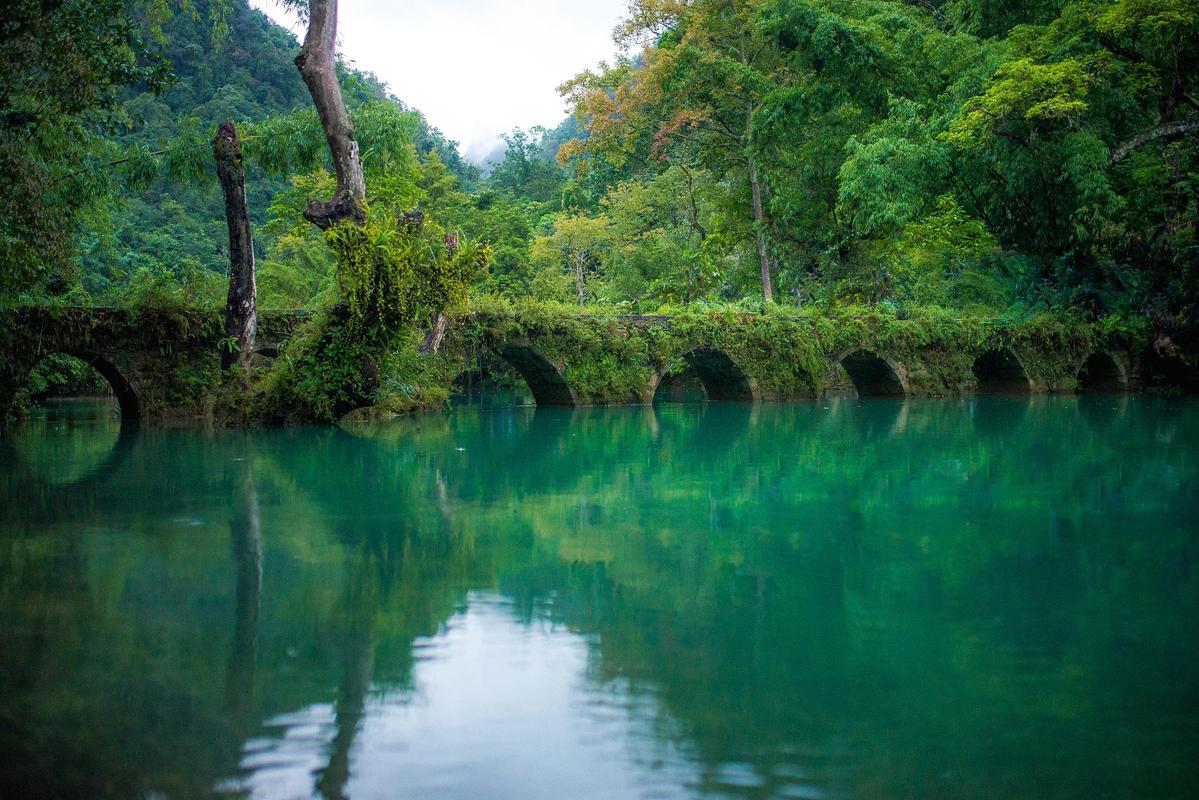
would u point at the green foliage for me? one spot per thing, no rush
(1062, 133)
(62, 375)
(918, 163)
(525, 171)
(298, 273)
(395, 274)
(160, 290)
(324, 372)
(63, 68)
(1023, 91)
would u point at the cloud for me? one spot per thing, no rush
(476, 68)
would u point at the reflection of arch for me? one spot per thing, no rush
(1000, 372)
(998, 417)
(1101, 372)
(872, 374)
(703, 433)
(546, 383)
(128, 434)
(127, 399)
(723, 380)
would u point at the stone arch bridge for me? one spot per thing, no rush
(166, 365)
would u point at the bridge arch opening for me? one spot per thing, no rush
(872, 375)
(1000, 372)
(544, 380)
(489, 381)
(1101, 374)
(682, 385)
(705, 373)
(80, 375)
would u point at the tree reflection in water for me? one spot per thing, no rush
(978, 598)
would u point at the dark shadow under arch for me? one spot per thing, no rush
(1100, 373)
(546, 383)
(1000, 372)
(1167, 372)
(872, 375)
(127, 399)
(680, 386)
(491, 384)
(722, 379)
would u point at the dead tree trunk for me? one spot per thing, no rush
(441, 323)
(436, 334)
(317, 63)
(241, 307)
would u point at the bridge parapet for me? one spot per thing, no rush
(165, 364)
(620, 359)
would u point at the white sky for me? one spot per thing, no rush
(475, 68)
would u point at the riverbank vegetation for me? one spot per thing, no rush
(945, 159)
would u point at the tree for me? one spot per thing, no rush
(63, 68)
(525, 171)
(241, 307)
(701, 83)
(577, 243)
(317, 63)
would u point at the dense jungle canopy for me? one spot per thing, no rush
(992, 158)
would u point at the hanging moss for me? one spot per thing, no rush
(395, 276)
(397, 273)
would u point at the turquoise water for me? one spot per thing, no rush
(863, 599)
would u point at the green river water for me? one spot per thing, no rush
(987, 598)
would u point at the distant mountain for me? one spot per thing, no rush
(249, 75)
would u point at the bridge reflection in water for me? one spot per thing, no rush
(962, 598)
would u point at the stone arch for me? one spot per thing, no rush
(872, 374)
(544, 379)
(1000, 371)
(127, 397)
(723, 379)
(1102, 372)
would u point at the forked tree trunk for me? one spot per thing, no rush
(317, 63)
(241, 307)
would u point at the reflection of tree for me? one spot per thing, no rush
(245, 525)
(358, 660)
(840, 590)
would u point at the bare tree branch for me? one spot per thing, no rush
(1175, 128)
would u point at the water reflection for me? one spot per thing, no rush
(980, 598)
(67, 439)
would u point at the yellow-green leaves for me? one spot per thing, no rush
(1148, 16)
(395, 272)
(1026, 92)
